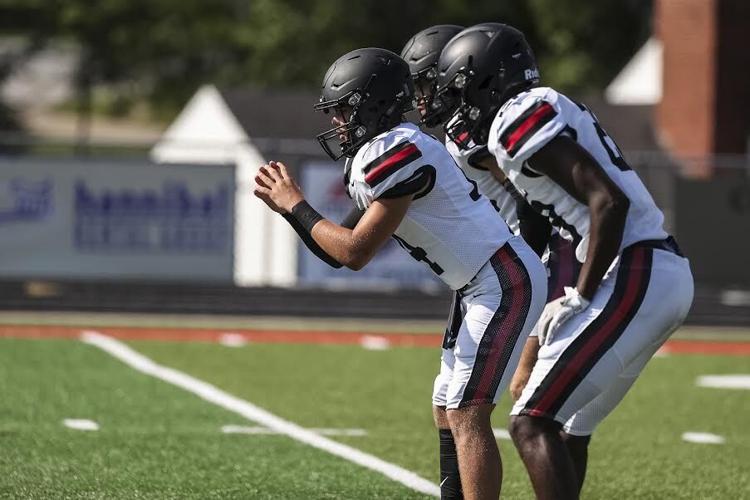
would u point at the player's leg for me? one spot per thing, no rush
(479, 462)
(577, 431)
(450, 479)
(536, 434)
(636, 308)
(563, 269)
(502, 304)
(578, 451)
(545, 457)
(478, 455)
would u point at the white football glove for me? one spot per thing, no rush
(558, 312)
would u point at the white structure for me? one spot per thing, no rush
(640, 81)
(207, 132)
(45, 79)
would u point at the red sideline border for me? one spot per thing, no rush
(312, 337)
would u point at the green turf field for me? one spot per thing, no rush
(158, 441)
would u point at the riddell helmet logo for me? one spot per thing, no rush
(531, 74)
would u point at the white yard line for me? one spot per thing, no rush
(231, 339)
(81, 424)
(703, 438)
(340, 432)
(258, 415)
(501, 433)
(375, 343)
(243, 429)
(724, 381)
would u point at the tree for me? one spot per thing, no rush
(584, 44)
(161, 50)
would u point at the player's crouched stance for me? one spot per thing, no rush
(406, 185)
(634, 288)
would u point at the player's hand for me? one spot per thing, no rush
(558, 312)
(276, 187)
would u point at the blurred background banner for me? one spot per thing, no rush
(322, 184)
(116, 220)
(714, 218)
(191, 96)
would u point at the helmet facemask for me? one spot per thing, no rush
(438, 108)
(351, 134)
(486, 67)
(468, 122)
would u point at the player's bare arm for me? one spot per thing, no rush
(356, 247)
(350, 221)
(525, 365)
(564, 161)
(353, 248)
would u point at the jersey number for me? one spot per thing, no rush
(615, 155)
(419, 255)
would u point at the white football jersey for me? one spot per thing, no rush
(449, 226)
(488, 185)
(530, 120)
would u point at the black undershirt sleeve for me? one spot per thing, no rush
(535, 228)
(352, 218)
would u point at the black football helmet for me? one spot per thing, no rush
(483, 67)
(371, 89)
(421, 52)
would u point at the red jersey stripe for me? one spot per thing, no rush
(390, 162)
(544, 110)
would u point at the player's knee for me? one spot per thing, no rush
(469, 421)
(525, 430)
(458, 422)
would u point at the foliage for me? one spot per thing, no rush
(163, 49)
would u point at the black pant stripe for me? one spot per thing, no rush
(509, 289)
(623, 277)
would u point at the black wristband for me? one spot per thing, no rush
(304, 232)
(306, 215)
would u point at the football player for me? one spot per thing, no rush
(421, 52)
(407, 187)
(635, 287)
